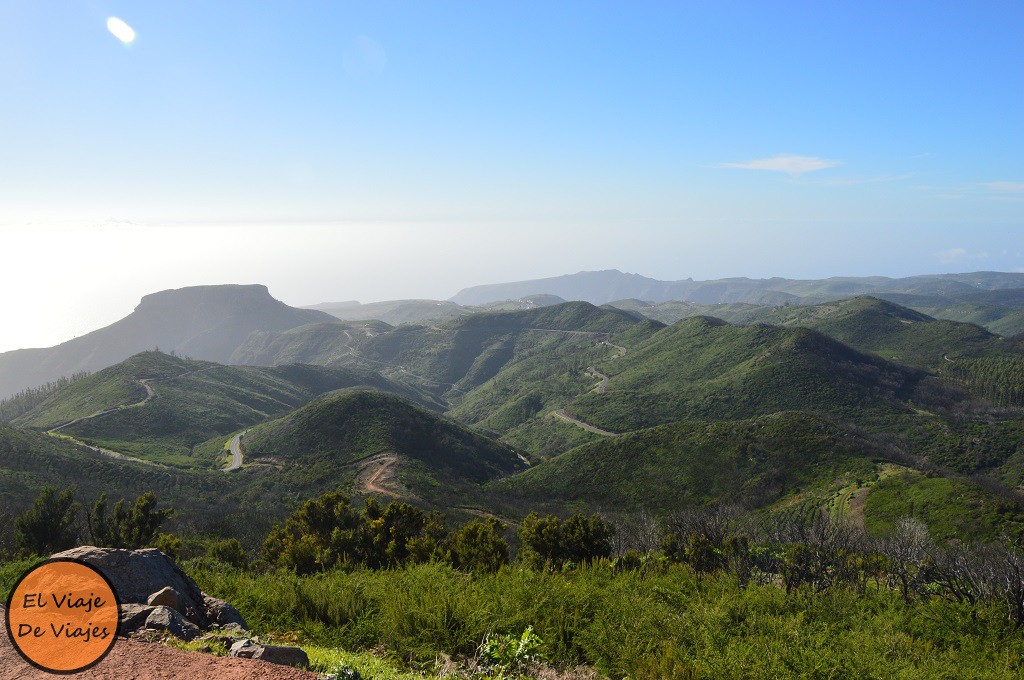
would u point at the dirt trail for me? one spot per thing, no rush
(377, 481)
(600, 388)
(150, 393)
(152, 661)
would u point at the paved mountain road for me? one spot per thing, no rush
(586, 426)
(602, 386)
(235, 446)
(150, 395)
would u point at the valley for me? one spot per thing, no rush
(561, 389)
(846, 416)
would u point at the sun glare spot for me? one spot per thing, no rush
(121, 30)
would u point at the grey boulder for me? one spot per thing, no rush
(166, 619)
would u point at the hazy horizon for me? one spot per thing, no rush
(333, 263)
(390, 151)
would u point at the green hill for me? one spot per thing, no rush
(30, 460)
(693, 463)
(192, 402)
(897, 333)
(704, 368)
(382, 443)
(448, 358)
(323, 344)
(675, 310)
(999, 311)
(395, 312)
(770, 463)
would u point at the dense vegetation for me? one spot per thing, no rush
(1000, 380)
(707, 600)
(31, 397)
(867, 445)
(703, 368)
(192, 402)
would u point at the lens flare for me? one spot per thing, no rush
(121, 30)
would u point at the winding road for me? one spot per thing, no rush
(371, 486)
(235, 446)
(622, 350)
(586, 426)
(108, 452)
(600, 388)
(150, 394)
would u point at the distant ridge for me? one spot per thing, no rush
(601, 287)
(203, 322)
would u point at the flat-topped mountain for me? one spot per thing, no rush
(203, 322)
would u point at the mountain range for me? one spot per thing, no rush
(538, 403)
(601, 287)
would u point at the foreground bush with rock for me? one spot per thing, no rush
(157, 597)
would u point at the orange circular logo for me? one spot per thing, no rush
(62, 616)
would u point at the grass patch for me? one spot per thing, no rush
(629, 624)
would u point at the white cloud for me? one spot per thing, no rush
(953, 255)
(961, 255)
(1006, 187)
(793, 166)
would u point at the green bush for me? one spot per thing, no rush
(49, 526)
(479, 546)
(228, 551)
(549, 542)
(328, 532)
(130, 528)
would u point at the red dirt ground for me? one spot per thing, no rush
(130, 659)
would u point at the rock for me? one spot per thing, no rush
(244, 648)
(137, 574)
(222, 613)
(166, 597)
(285, 656)
(133, 617)
(165, 618)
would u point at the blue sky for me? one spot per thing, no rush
(507, 140)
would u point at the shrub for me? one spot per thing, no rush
(228, 551)
(509, 656)
(479, 546)
(49, 526)
(549, 542)
(130, 528)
